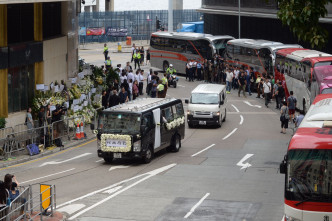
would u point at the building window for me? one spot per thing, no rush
(51, 19)
(21, 86)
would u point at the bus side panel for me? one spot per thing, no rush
(156, 60)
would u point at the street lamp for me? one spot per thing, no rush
(239, 19)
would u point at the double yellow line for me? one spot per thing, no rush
(46, 157)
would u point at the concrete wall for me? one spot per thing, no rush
(55, 61)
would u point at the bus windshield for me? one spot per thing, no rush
(220, 45)
(327, 91)
(309, 175)
(197, 98)
(323, 63)
(123, 123)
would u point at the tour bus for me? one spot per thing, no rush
(207, 105)
(177, 47)
(255, 54)
(140, 128)
(308, 165)
(321, 82)
(294, 67)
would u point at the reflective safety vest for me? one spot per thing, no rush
(160, 87)
(137, 55)
(108, 62)
(164, 80)
(170, 71)
(105, 49)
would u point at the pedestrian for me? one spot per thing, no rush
(242, 84)
(191, 70)
(267, 91)
(114, 99)
(48, 114)
(229, 79)
(141, 82)
(148, 56)
(105, 51)
(299, 118)
(275, 93)
(280, 94)
(130, 75)
(248, 79)
(148, 81)
(211, 74)
(123, 95)
(125, 85)
(164, 81)
(128, 67)
(141, 51)
(260, 87)
(236, 77)
(130, 90)
(104, 101)
(206, 71)
(199, 71)
(28, 119)
(137, 58)
(154, 86)
(284, 117)
(116, 85)
(4, 195)
(160, 89)
(187, 69)
(123, 77)
(133, 50)
(135, 90)
(108, 63)
(291, 104)
(194, 70)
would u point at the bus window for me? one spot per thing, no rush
(229, 51)
(157, 43)
(179, 110)
(236, 53)
(168, 114)
(266, 59)
(255, 57)
(203, 48)
(190, 49)
(220, 45)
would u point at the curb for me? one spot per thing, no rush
(46, 153)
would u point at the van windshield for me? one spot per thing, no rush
(122, 123)
(200, 98)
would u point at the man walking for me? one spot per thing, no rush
(242, 84)
(291, 104)
(105, 51)
(229, 79)
(267, 91)
(140, 82)
(280, 94)
(137, 58)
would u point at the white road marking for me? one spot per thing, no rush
(247, 102)
(113, 190)
(237, 110)
(283, 218)
(55, 162)
(241, 162)
(197, 204)
(47, 176)
(181, 85)
(99, 160)
(230, 134)
(118, 167)
(202, 150)
(241, 122)
(150, 174)
(70, 209)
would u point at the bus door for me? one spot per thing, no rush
(157, 138)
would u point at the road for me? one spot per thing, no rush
(228, 173)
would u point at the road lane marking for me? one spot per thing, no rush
(113, 190)
(52, 155)
(70, 209)
(118, 167)
(241, 122)
(65, 171)
(64, 161)
(151, 174)
(230, 134)
(253, 113)
(181, 85)
(237, 110)
(99, 160)
(241, 162)
(202, 150)
(247, 102)
(197, 205)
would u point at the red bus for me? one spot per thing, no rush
(308, 165)
(294, 67)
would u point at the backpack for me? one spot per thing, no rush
(33, 149)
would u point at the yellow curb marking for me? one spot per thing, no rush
(43, 158)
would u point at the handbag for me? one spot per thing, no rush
(282, 118)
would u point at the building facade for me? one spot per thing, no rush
(258, 21)
(38, 45)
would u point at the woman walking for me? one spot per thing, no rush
(284, 117)
(29, 121)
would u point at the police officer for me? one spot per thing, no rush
(160, 89)
(137, 58)
(105, 51)
(164, 81)
(108, 63)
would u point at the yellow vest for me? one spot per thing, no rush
(108, 63)
(164, 80)
(105, 49)
(137, 55)
(160, 87)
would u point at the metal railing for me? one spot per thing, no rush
(30, 204)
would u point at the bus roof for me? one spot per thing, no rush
(299, 54)
(279, 47)
(252, 43)
(315, 131)
(141, 104)
(190, 35)
(324, 74)
(209, 88)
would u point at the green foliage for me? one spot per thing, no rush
(2, 122)
(302, 17)
(111, 76)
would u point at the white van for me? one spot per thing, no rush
(207, 105)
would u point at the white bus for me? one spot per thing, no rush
(257, 54)
(177, 47)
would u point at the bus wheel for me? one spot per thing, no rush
(165, 66)
(148, 155)
(176, 144)
(108, 159)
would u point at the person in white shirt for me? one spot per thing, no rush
(229, 79)
(267, 91)
(140, 82)
(123, 77)
(130, 89)
(133, 50)
(191, 70)
(148, 79)
(236, 77)
(136, 77)
(130, 76)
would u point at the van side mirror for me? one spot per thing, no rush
(283, 165)
(186, 101)
(92, 126)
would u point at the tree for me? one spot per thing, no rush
(302, 17)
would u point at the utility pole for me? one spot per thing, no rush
(239, 19)
(170, 15)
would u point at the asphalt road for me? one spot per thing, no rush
(228, 173)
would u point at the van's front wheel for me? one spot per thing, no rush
(148, 155)
(176, 144)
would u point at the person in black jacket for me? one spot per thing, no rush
(114, 99)
(104, 100)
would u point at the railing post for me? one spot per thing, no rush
(41, 206)
(30, 199)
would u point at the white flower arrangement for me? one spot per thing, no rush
(105, 148)
(175, 123)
